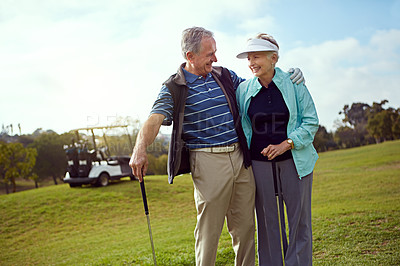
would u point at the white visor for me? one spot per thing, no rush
(257, 45)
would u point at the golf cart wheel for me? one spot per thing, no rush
(103, 180)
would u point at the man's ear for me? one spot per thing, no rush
(190, 56)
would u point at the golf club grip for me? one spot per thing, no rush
(146, 208)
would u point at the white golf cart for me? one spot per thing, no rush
(96, 166)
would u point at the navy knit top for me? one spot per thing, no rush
(269, 117)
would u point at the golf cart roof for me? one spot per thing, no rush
(103, 127)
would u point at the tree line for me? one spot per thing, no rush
(41, 155)
(362, 124)
(37, 157)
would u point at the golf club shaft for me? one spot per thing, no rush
(151, 240)
(278, 208)
(146, 211)
(280, 230)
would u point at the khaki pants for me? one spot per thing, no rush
(223, 188)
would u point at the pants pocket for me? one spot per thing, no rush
(192, 159)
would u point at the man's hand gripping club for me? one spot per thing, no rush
(146, 136)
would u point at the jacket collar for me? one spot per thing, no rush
(277, 79)
(180, 76)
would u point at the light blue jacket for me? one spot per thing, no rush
(303, 120)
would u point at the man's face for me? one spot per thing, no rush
(201, 63)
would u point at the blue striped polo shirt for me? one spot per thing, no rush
(207, 119)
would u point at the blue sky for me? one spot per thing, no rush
(324, 20)
(69, 64)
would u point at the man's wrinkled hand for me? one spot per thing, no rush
(139, 163)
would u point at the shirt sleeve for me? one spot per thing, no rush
(236, 79)
(164, 105)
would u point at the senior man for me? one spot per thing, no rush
(208, 141)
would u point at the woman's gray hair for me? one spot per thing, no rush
(267, 37)
(191, 39)
(271, 39)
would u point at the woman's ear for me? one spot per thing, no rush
(274, 58)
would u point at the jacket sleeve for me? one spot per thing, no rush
(307, 119)
(240, 99)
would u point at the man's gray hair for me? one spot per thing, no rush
(191, 39)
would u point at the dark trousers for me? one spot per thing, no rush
(296, 194)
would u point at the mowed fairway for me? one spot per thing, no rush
(356, 218)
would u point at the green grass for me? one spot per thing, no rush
(356, 218)
(356, 206)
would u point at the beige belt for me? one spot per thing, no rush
(219, 149)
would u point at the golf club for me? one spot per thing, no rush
(146, 211)
(277, 205)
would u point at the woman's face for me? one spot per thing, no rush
(261, 63)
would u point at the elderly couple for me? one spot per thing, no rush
(232, 135)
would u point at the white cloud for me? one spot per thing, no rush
(67, 64)
(344, 71)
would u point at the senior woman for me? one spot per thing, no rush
(279, 119)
